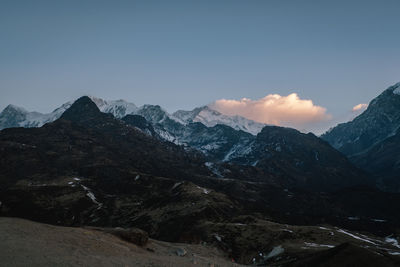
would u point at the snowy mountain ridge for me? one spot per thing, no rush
(14, 116)
(210, 118)
(119, 108)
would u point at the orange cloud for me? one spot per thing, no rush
(360, 107)
(290, 111)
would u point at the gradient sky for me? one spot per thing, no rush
(183, 54)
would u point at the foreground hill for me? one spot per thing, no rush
(47, 245)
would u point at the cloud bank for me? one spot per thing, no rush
(290, 111)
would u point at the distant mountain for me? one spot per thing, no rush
(216, 135)
(169, 125)
(210, 118)
(380, 121)
(286, 156)
(119, 108)
(218, 143)
(84, 138)
(140, 123)
(13, 116)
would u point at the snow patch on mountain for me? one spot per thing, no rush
(210, 118)
(214, 169)
(392, 241)
(156, 114)
(119, 108)
(167, 136)
(14, 116)
(240, 149)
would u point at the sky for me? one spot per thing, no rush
(305, 64)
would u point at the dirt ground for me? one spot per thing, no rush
(27, 243)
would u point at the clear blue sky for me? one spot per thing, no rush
(183, 54)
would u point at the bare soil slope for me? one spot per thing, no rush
(26, 243)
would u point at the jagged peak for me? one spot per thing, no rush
(206, 108)
(396, 84)
(81, 110)
(154, 107)
(189, 116)
(396, 88)
(209, 109)
(98, 101)
(12, 108)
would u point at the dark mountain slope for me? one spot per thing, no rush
(217, 142)
(379, 121)
(383, 161)
(141, 123)
(304, 160)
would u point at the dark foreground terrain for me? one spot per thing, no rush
(26, 243)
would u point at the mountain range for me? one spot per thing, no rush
(200, 176)
(13, 116)
(274, 150)
(181, 127)
(235, 139)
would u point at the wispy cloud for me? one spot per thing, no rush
(290, 111)
(360, 107)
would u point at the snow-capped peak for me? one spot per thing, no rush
(100, 103)
(14, 108)
(211, 117)
(14, 116)
(119, 108)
